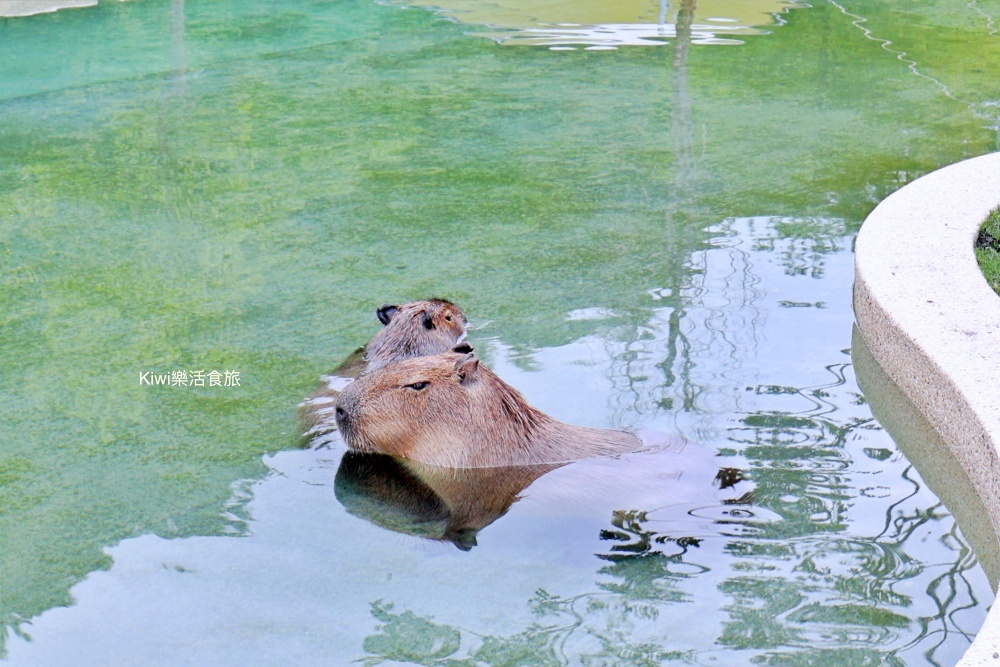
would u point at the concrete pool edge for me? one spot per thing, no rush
(933, 323)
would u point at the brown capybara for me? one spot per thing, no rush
(450, 410)
(410, 329)
(415, 329)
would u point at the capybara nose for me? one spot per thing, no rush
(346, 410)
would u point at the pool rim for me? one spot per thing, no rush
(932, 321)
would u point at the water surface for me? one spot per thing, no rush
(648, 237)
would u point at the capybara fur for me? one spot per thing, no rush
(450, 410)
(409, 330)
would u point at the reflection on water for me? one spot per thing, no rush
(698, 353)
(595, 24)
(840, 555)
(673, 486)
(450, 505)
(941, 470)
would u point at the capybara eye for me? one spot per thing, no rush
(417, 386)
(448, 317)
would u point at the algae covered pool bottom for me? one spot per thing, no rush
(648, 221)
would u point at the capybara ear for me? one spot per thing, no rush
(466, 368)
(462, 348)
(428, 320)
(386, 313)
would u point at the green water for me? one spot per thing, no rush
(665, 230)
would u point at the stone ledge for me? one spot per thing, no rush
(933, 323)
(15, 8)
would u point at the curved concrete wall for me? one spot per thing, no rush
(933, 323)
(30, 7)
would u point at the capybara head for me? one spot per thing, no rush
(415, 329)
(451, 410)
(430, 398)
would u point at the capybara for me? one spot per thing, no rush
(415, 329)
(410, 330)
(450, 410)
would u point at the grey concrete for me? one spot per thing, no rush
(933, 323)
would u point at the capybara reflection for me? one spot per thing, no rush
(443, 504)
(410, 330)
(450, 410)
(634, 503)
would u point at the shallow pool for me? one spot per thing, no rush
(648, 216)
